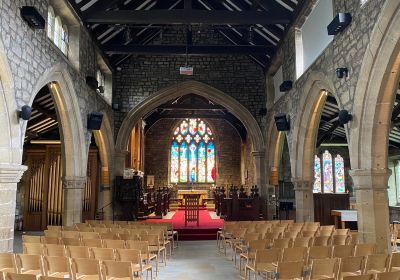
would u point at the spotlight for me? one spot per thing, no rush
(342, 72)
(282, 122)
(25, 112)
(94, 121)
(339, 23)
(344, 117)
(286, 86)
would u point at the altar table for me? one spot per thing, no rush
(203, 195)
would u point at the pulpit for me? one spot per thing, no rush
(191, 208)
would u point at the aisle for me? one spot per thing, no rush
(198, 260)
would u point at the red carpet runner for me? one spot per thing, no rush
(207, 229)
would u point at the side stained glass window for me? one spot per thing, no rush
(331, 178)
(192, 153)
(317, 174)
(328, 174)
(339, 175)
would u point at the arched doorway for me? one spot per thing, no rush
(373, 108)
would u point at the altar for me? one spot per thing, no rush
(203, 195)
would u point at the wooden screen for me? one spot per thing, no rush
(44, 194)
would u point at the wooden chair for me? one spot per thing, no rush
(250, 253)
(70, 241)
(143, 247)
(376, 263)
(353, 238)
(70, 234)
(291, 234)
(264, 260)
(101, 230)
(29, 264)
(322, 241)
(319, 252)
(31, 239)
(303, 242)
(134, 256)
(54, 228)
(53, 278)
(394, 275)
(340, 239)
(294, 254)
(56, 267)
(108, 235)
(282, 243)
(98, 243)
(114, 244)
(113, 270)
(324, 269)
(290, 270)
(52, 233)
(342, 251)
(85, 269)
(50, 240)
(7, 263)
(78, 252)
(364, 249)
(18, 276)
(155, 246)
(394, 262)
(351, 266)
(308, 233)
(359, 277)
(102, 254)
(54, 250)
(89, 235)
(341, 231)
(32, 248)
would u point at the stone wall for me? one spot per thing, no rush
(227, 141)
(235, 75)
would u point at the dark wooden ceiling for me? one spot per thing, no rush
(251, 27)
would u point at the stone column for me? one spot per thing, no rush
(260, 178)
(106, 193)
(119, 162)
(10, 175)
(73, 197)
(370, 187)
(304, 200)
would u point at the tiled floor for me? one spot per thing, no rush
(192, 260)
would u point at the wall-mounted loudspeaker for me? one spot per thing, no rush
(344, 117)
(94, 121)
(25, 112)
(286, 86)
(32, 17)
(92, 82)
(339, 23)
(282, 122)
(342, 72)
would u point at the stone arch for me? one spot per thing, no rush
(373, 104)
(201, 89)
(74, 148)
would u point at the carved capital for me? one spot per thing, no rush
(11, 173)
(372, 178)
(74, 182)
(301, 185)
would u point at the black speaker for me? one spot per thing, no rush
(32, 17)
(94, 121)
(286, 86)
(25, 113)
(339, 23)
(344, 117)
(92, 82)
(282, 122)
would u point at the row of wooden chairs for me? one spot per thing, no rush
(267, 262)
(128, 265)
(20, 276)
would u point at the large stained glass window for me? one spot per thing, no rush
(339, 174)
(331, 177)
(317, 174)
(192, 153)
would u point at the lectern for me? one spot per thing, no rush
(191, 208)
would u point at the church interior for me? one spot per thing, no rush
(200, 139)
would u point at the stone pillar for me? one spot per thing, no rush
(10, 175)
(260, 178)
(304, 200)
(370, 187)
(106, 193)
(73, 197)
(119, 162)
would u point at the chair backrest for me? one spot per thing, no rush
(260, 244)
(282, 243)
(128, 255)
(18, 276)
(341, 231)
(340, 239)
(319, 252)
(54, 250)
(55, 264)
(70, 241)
(394, 262)
(32, 248)
(267, 256)
(115, 244)
(92, 243)
(352, 264)
(52, 233)
(101, 229)
(330, 228)
(294, 254)
(78, 252)
(302, 242)
(31, 239)
(115, 269)
(273, 235)
(28, 262)
(308, 233)
(102, 254)
(324, 268)
(153, 239)
(341, 251)
(353, 239)
(394, 275)
(70, 234)
(50, 240)
(108, 235)
(290, 270)
(322, 241)
(364, 249)
(54, 228)
(359, 277)
(291, 234)
(84, 267)
(376, 263)
(89, 235)
(7, 262)
(42, 277)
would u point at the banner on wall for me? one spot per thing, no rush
(273, 178)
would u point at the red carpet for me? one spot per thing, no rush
(207, 229)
